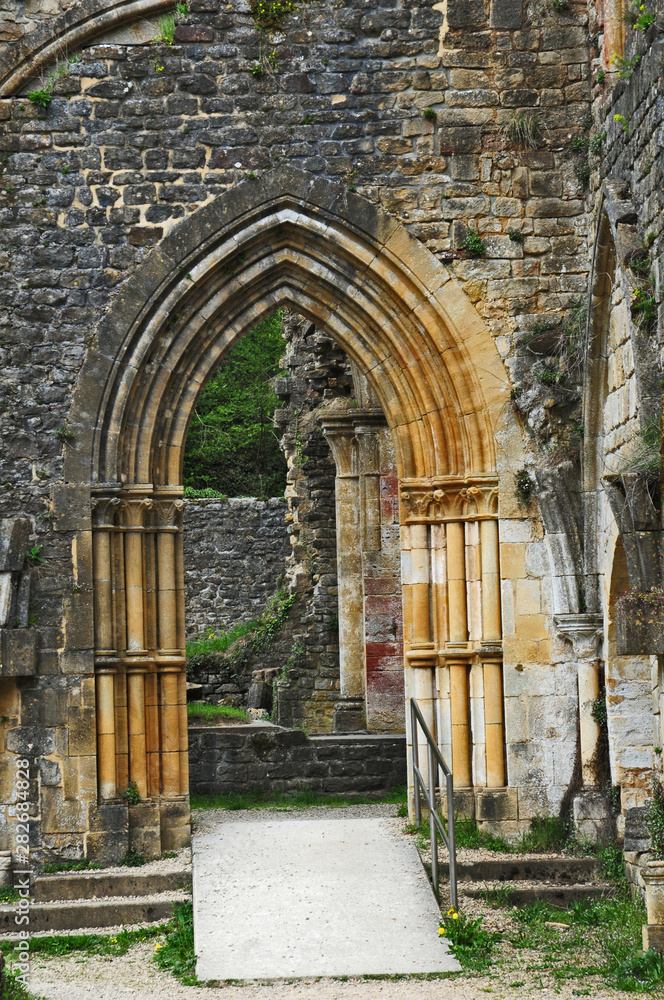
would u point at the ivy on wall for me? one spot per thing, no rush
(232, 446)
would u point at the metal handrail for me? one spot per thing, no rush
(435, 761)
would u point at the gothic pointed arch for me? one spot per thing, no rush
(289, 239)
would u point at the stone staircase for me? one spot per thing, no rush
(556, 880)
(100, 899)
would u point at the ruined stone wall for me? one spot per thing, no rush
(225, 759)
(138, 137)
(235, 553)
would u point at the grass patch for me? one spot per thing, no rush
(468, 834)
(303, 799)
(199, 710)
(262, 629)
(69, 866)
(89, 944)
(13, 989)
(604, 939)
(9, 894)
(176, 954)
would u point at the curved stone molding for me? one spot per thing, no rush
(337, 260)
(21, 61)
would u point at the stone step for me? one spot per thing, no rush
(72, 915)
(554, 893)
(567, 871)
(96, 885)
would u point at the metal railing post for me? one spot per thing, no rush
(413, 736)
(436, 762)
(451, 838)
(433, 831)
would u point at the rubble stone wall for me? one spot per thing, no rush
(235, 553)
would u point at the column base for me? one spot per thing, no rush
(653, 937)
(350, 715)
(592, 816)
(175, 824)
(144, 828)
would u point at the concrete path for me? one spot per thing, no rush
(316, 892)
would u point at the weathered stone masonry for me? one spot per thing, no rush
(135, 250)
(235, 554)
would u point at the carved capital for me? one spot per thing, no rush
(448, 501)
(169, 514)
(584, 631)
(104, 510)
(135, 510)
(339, 431)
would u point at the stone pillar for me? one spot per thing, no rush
(136, 654)
(350, 710)
(490, 654)
(367, 438)
(170, 654)
(584, 631)
(458, 665)
(106, 654)
(106, 732)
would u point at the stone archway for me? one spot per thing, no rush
(294, 240)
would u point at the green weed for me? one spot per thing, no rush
(303, 799)
(468, 834)
(69, 866)
(176, 953)
(89, 944)
(470, 943)
(199, 710)
(474, 244)
(547, 833)
(133, 858)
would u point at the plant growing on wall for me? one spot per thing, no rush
(474, 244)
(656, 819)
(271, 14)
(638, 16)
(523, 129)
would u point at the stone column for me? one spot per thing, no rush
(170, 654)
(106, 655)
(584, 632)
(106, 732)
(490, 653)
(367, 438)
(350, 710)
(136, 654)
(458, 665)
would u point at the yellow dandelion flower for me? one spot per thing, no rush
(455, 916)
(441, 931)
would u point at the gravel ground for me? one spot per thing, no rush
(136, 976)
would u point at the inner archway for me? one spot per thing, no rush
(411, 332)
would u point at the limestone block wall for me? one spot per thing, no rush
(225, 759)
(235, 554)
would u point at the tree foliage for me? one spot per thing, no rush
(232, 446)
